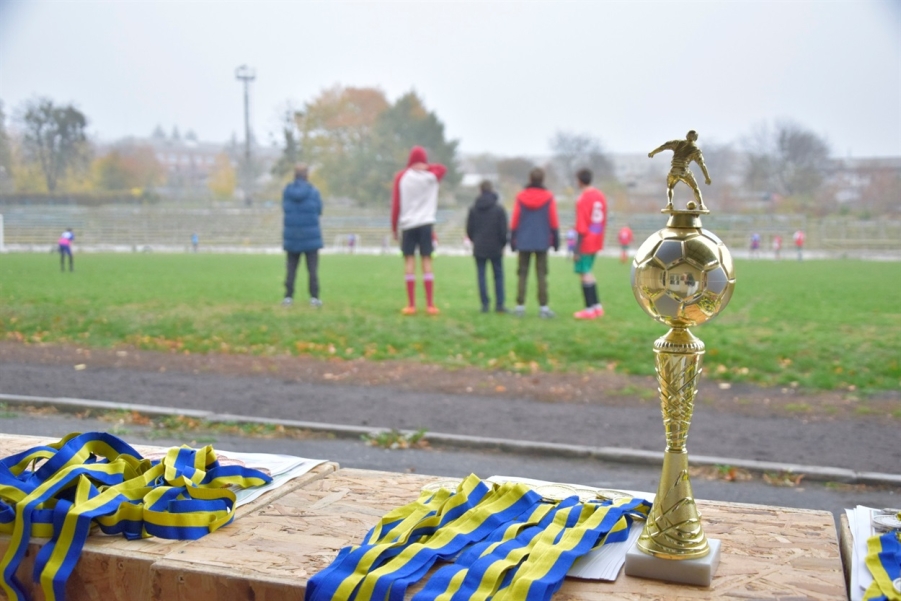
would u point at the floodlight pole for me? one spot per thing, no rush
(246, 74)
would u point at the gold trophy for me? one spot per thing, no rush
(682, 276)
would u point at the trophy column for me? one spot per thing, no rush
(673, 529)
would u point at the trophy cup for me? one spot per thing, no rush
(682, 276)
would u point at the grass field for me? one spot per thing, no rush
(820, 324)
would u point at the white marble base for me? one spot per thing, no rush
(698, 572)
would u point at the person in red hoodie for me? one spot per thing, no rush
(414, 204)
(591, 222)
(533, 230)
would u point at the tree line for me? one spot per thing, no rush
(355, 139)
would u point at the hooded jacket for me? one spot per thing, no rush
(302, 207)
(534, 226)
(414, 200)
(486, 226)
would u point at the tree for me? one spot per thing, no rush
(6, 155)
(357, 140)
(291, 150)
(787, 159)
(579, 151)
(128, 167)
(223, 178)
(54, 137)
(408, 123)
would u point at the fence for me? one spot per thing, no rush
(137, 228)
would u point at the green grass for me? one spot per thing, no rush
(820, 324)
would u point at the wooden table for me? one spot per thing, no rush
(768, 552)
(285, 537)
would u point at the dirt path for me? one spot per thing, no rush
(601, 409)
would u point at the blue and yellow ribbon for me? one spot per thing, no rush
(884, 562)
(96, 478)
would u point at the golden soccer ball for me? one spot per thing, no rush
(683, 276)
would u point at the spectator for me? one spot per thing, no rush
(65, 249)
(625, 237)
(195, 241)
(486, 227)
(777, 247)
(799, 238)
(755, 245)
(414, 204)
(533, 230)
(591, 224)
(302, 235)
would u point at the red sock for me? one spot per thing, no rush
(411, 289)
(428, 281)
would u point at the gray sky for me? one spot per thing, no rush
(503, 76)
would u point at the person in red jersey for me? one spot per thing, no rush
(625, 239)
(591, 222)
(533, 230)
(414, 204)
(799, 239)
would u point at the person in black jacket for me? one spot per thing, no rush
(486, 226)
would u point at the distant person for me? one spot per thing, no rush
(755, 245)
(799, 239)
(302, 235)
(533, 230)
(486, 227)
(414, 205)
(625, 238)
(195, 241)
(352, 243)
(65, 249)
(591, 224)
(571, 242)
(777, 247)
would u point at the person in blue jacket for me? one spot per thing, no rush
(302, 235)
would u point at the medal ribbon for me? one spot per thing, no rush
(884, 562)
(96, 478)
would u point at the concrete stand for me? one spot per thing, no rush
(698, 572)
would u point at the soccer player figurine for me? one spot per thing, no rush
(684, 152)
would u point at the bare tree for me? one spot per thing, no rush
(577, 151)
(6, 163)
(787, 158)
(54, 136)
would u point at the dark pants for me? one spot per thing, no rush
(312, 269)
(65, 251)
(540, 269)
(497, 267)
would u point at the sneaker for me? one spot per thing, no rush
(501, 310)
(315, 303)
(546, 313)
(433, 310)
(408, 311)
(589, 313)
(519, 311)
(598, 311)
(484, 308)
(287, 302)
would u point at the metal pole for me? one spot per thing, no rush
(246, 74)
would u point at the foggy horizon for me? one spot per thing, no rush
(503, 77)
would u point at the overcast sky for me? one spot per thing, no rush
(502, 76)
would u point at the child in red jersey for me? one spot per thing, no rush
(625, 239)
(591, 221)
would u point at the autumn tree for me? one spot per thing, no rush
(54, 137)
(356, 140)
(223, 178)
(786, 158)
(291, 148)
(127, 167)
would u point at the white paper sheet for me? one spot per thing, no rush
(606, 562)
(860, 523)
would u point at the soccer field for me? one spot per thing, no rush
(821, 324)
